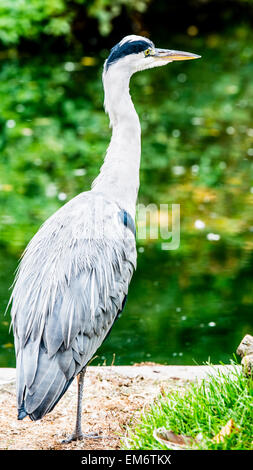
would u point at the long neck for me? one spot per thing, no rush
(119, 175)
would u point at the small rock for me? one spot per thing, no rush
(245, 350)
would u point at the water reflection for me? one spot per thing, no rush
(172, 316)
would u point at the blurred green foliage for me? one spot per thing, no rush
(31, 18)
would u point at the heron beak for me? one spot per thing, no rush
(165, 54)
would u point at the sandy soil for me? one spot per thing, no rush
(111, 403)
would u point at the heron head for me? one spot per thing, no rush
(134, 53)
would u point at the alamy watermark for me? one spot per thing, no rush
(159, 222)
(108, 221)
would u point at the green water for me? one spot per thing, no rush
(165, 321)
(184, 306)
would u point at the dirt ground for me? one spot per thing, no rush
(111, 403)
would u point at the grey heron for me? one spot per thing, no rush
(74, 275)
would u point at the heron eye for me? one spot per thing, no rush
(147, 52)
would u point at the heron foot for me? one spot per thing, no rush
(81, 436)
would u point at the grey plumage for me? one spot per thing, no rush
(74, 275)
(70, 286)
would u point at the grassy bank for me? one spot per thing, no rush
(200, 413)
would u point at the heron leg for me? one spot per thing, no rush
(78, 435)
(78, 429)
